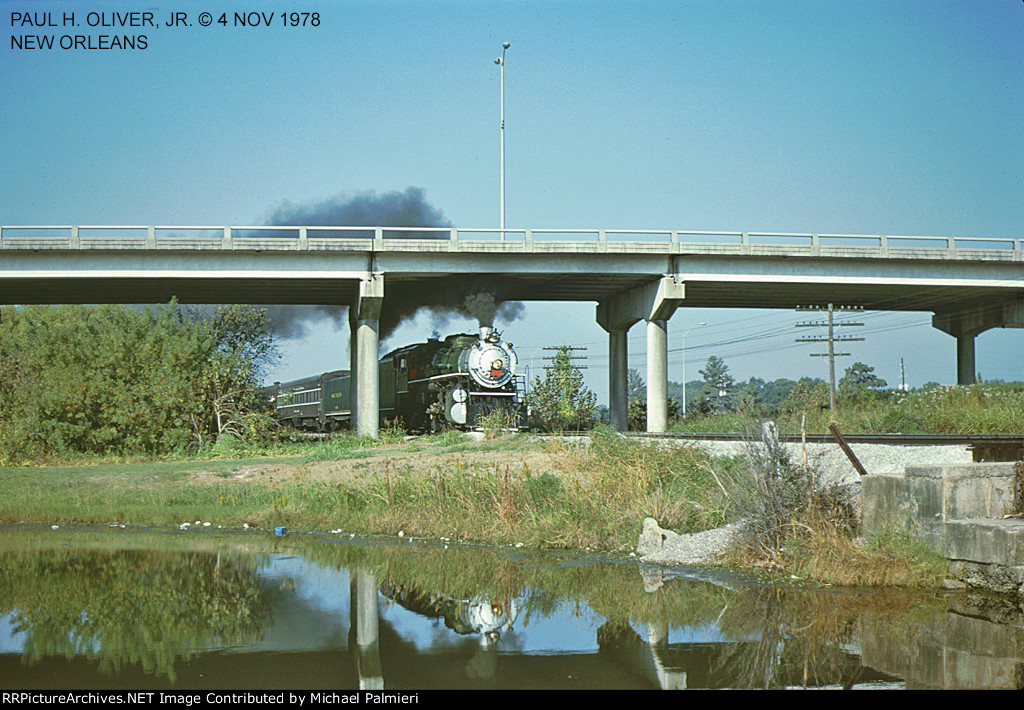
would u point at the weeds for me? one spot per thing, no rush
(892, 558)
(778, 500)
(498, 423)
(988, 408)
(792, 520)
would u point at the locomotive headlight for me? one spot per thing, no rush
(496, 365)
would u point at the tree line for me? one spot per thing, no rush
(560, 400)
(118, 380)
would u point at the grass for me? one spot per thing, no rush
(508, 490)
(990, 408)
(892, 558)
(586, 497)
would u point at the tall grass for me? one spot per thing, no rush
(791, 520)
(586, 497)
(989, 408)
(583, 497)
(892, 558)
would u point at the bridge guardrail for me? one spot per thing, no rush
(377, 238)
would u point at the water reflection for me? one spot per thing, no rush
(96, 610)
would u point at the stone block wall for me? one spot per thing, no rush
(960, 510)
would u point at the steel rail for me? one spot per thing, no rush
(824, 438)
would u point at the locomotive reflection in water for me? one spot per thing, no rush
(431, 386)
(481, 616)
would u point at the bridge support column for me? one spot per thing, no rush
(655, 303)
(657, 375)
(364, 322)
(618, 376)
(966, 325)
(965, 367)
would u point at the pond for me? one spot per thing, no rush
(176, 610)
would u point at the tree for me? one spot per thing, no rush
(860, 383)
(636, 388)
(716, 390)
(810, 393)
(241, 345)
(560, 401)
(636, 401)
(716, 373)
(112, 379)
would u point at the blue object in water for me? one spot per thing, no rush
(280, 531)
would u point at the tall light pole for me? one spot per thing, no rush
(684, 361)
(500, 61)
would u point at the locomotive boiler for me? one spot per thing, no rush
(432, 386)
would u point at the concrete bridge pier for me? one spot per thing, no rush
(364, 324)
(655, 303)
(657, 375)
(618, 377)
(965, 327)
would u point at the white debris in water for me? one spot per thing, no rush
(54, 527)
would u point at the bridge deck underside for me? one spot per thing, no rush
(703, 292)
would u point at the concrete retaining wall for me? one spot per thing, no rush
(959, 509)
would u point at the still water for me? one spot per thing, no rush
(89, 609)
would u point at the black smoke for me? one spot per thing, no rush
(367, 209)
(468, 297)
(447, 297)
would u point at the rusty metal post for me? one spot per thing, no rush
(847, 450)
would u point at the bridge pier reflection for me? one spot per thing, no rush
(365, 628)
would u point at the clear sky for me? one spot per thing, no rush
(851, 116)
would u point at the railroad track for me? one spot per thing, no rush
(984, 447)
(887, 439)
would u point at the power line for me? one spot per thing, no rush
(831, 339)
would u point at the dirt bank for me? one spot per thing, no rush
(397, 459)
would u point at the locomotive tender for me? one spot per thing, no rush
(431, 386)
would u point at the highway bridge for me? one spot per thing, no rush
(970, 284)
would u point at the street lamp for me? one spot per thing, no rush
(500, 61)
(684, 361)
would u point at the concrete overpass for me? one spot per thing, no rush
(970, 284)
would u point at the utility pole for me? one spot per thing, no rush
(831, 339)
(569, 350)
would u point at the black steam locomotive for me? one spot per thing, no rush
(431, 386)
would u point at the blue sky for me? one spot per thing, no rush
(860, 116)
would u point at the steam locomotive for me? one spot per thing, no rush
(430, 387)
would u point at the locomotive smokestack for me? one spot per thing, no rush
(485, 332)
